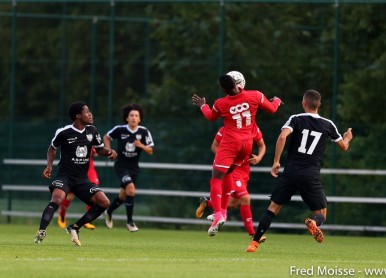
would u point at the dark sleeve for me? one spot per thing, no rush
(114, 133)
(98, 142)
(57, 140)
(334, 133)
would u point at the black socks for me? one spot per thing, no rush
(47, 215)
(264, 224)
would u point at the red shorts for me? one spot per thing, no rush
(229, 153)
(240, 176)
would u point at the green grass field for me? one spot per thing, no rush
(172, 253)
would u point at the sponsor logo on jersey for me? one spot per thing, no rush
(81, 151)
(130, 147)
(95, 189)
(71, 140)
(239, 108)
(126, 179)
(89, 137)
(57, 183)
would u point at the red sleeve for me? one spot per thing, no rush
(269, 106)
(210, 114)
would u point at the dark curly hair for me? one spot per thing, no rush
(128, 108)
(75, 108)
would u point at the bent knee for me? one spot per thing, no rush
(101, 200)
(275, 208)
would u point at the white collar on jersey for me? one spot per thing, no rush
(78, 130)
(131, 130)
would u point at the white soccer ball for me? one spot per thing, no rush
(238, 77)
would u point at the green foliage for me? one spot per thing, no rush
(161, 53)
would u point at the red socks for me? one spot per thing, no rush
(63, 208)
(216, 193)
(246, 216)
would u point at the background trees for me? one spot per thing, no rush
(160, 54)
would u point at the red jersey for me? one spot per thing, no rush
(239, 112)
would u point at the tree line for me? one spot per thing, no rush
(163, 53)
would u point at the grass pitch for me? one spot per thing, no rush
(171, 253)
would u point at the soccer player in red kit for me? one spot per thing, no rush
(238, 110)
(240, 195)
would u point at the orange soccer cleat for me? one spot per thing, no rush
(89, 226)
(61, 222)
(252, 246)
(314, 230)
(201, 208)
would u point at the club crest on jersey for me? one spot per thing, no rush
(89, 137)
(138, 136)
(81, 151)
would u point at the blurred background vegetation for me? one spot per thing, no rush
(158, 53)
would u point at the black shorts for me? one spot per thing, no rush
(310, 189)
(82, 188)
(126, 176)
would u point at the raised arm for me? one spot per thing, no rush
(209, 114)
(344, 144)
(270, 106)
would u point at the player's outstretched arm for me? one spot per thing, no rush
(209, 114)
(270, 106)
(198, 101)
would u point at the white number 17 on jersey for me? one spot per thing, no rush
(306, 134)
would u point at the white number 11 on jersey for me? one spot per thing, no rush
(239, 118)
